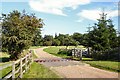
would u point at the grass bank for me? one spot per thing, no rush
(106, 65)
(39, 71)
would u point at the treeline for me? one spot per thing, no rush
(59, 40)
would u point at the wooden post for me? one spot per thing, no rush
(13, 71)
(21, 73)
(81, 55)
(74, 52)
(26, 63)
(31, 57)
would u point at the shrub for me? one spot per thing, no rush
(65, 52)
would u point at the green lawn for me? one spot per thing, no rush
(5, 71)
(107, 65)
(39, 71)
(54, 51)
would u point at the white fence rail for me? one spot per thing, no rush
(19, 67)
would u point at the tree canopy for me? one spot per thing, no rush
(18, 31)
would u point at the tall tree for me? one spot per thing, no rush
(18, 30)
(102, 35)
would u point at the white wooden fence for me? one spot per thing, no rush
(19, 67)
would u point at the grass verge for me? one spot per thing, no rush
(39, 71)
(106, 65)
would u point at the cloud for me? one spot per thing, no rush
(55, 6)
(80, 20)
(95, 14)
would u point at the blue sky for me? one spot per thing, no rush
(65, 16)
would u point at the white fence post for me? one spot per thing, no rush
(25, 63)
(13, 70)
(21, 73)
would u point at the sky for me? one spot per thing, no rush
(65, 16)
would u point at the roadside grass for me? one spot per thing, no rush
(87, 59)
(5, 71)
(106, 65)
(4, 59)
(39, 71)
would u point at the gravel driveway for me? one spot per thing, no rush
(72, 69)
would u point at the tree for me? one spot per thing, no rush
(103, 35)
(75, 43)
(47, 43)
(18, 30)
(37, 40)
(102, 38)
(61, 38)
(56, 42)
(77, 37)
(48, 40)
(113, 34)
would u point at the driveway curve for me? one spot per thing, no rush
(71, 69)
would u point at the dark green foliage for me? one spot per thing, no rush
(18, 30)
(77, 37)
(37, 40)
(103, 40)
(112, 54)
(65, 52)
(56, 42)
(48, 40)
(47, 43)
